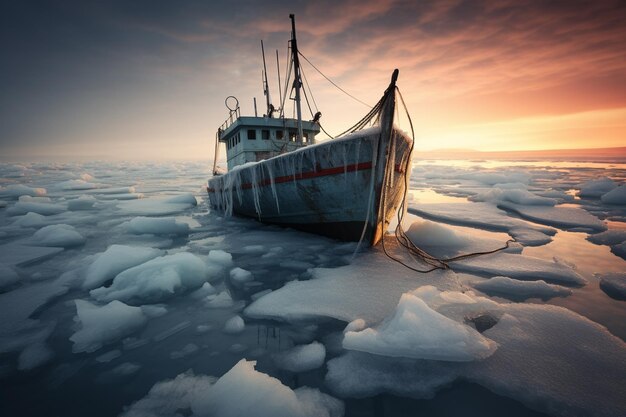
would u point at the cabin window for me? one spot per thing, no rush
(305, 137)
(293, 135)
(251, 134)
(265, 134)
(279, 134)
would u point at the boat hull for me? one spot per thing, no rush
(346, 188)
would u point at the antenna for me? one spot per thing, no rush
(297, 81)
(280, 90)
(266, 87)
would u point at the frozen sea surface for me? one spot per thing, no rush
(122, 293)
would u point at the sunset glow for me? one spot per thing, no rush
(88, 80)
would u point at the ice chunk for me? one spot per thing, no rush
(204, 291)
(220, 257)
(566, 348)
(157, 226)
(234, 325)
(359, 374)
(240, 275)
(114, 260)
(188, 349)
(564, 217)
(76, 185)
(221, 300)
(84, 202)
(8, 276)
(31, 219)
(544, 353)
(17, 190)
(34, 355)
(38, 205)
(616, 196)
(109, 356)
(614, 285)
(241, 391)
(60, 235)
(484, 216)
(167, 398)
(521, 290)
(20, 253)
(609, 237)
(301, 358)
(596, 188)
(442, 241)
(100, 325)
(368, 289)
(355, 326)
(158, 206)
(156, 279)
(244, 391)
(516, 196)
(417, 331)
(520, 267)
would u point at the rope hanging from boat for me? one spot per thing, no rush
(400, 235)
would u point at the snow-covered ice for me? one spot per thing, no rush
(614, 285)
(616, 196)
(301, 358)
(114, 260)
(100, 325)
(520, 266)
(157, 226)
(60, 235)
(241, 391)
(301, 305)
(234, 325)
(416, 330)
(517, 290)
(156, 280)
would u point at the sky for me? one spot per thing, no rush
(147, 79)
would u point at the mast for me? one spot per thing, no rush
(266, 86)
(297, 82)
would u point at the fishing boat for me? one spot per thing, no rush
(347, 188)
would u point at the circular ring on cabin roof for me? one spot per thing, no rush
(235, 104)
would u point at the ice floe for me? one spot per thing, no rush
(548, 348)
(520, 267)
(416, 330)
(240, 276)
(367, 289)
(241, 391)
(39, 205)
(157, 226)
(596, 188)
(484, 216)
(614, 285)
(234, 325)
(114, 260)
(60, 235)
(442, 241)
(562, 217)
(83, 202)
(8, 276)
(156, 280)
(616, 196)
(517, 290)
(301, 358)
(158, 206)
(14, 191)
(105, 324)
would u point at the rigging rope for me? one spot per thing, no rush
(415, 252)
(332, 82)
